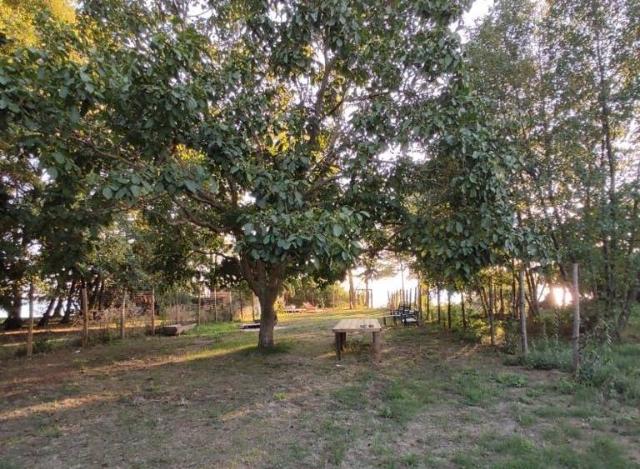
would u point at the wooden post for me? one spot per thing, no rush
(376, 344)
(215, 304)
(438, 302)
(575, 338)
(419, 300)
(153, 311)
(199, 313)
(84, 303)
(122, 313)
(523, 316)
(491, 323)
(30, 333)
(448, 309)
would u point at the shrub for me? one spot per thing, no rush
(547, 355)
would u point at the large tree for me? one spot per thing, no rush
(272, 124)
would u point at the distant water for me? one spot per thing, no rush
(39, 307)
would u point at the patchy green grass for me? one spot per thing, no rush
(213, 399)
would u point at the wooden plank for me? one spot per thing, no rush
(357, 325)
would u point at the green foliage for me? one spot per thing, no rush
(474, 388)
(548, 355)
(266, 126)
(401, 400)
(557, 80)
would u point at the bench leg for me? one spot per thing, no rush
(376, 344)
(343, 341)
(338, 345)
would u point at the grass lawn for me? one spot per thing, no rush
(209, 399)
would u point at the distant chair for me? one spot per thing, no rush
(403, 313)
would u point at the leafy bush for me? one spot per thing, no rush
(549, 355)
(613, 369)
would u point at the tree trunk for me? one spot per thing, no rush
(101, 296)
(352, 293)
(44, 320)
(367, 293)
(428, 303)
(523, 317)
(438, 304)
(492, 329)
(93, 302)
(14, 321)
(58, 308)
(67, 312)
(84, 305)
(268, 319)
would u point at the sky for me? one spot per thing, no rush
(478, 9)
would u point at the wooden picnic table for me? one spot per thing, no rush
(357, 325)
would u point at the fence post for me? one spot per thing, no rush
(153, 311)
(122, 313)
(448, 309)
(575, 338)
(523, 316)
(199, 304)
(215, 304)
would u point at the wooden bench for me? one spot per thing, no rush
(358, 326)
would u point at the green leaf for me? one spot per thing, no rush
(59, 157)
(107, 193)
(191, 186)
(337, 230)
(135, 190)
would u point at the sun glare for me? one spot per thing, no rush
(561, 296)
